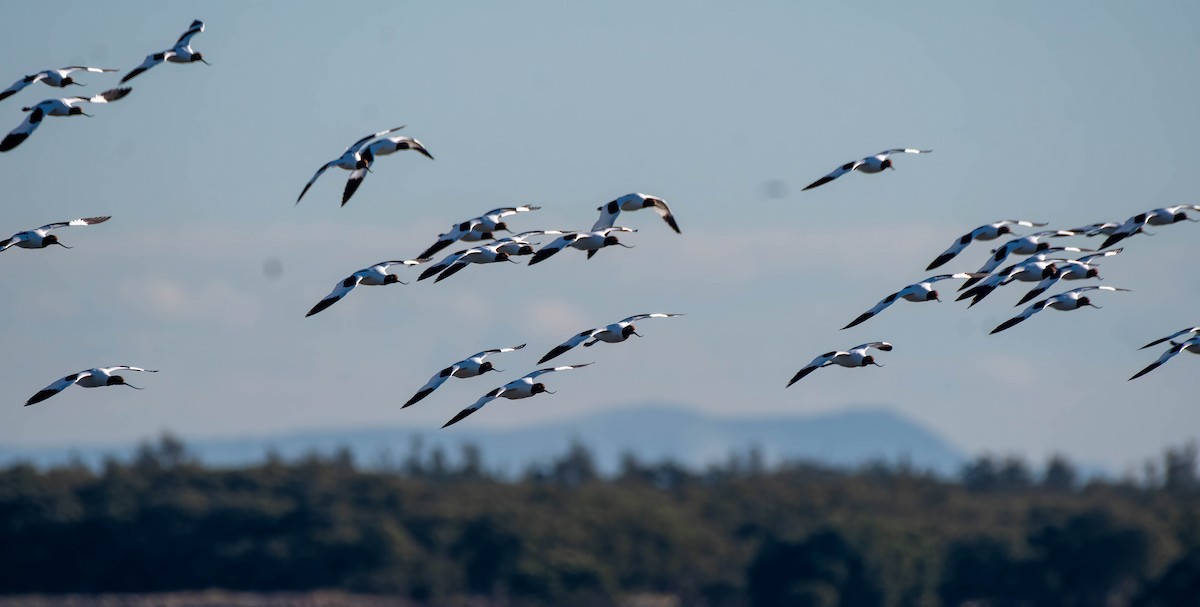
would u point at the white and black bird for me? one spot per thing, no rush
(351, 160)
(376, 275)
(916, 292)
(524, 387)
(870, 164)
(391, 145)
(1070, 300)
(854, 357)
(180, 53)
(1162, 216)
(1192, 345)
(455, 262)
(1025, 245)
(519, 244)
(91, 378)
(1192, 331)
(60, 78)
(471, 366)
(1033, 269)
(990, 231)
(478, 228)
(584, 241)
(40, 238)
(66, 106)
(613, 334)
(1069, 269)
(634, 202)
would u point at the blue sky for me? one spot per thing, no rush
(1068, 113)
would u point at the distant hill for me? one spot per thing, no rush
(652, 432)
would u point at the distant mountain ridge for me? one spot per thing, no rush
(652, 432)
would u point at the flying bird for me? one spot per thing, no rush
(584, 241)
(1192, 345)
(520, 388)
(634, 202)
(455, 262)
(870, 164)
(1193, 331)
(916, 292)
(613, 334)
(1069, 269)
(471, 366)
(990, 231)
(376, 275)
(1030, 270)
(478, 228)
(66, 106)
(92, 378)
(854, 357)
(1070, 300)
(180, 53)
(351, 160)
(1161, 216)
(518, 244)
(1025, 245)
(60, 78)
(41, 238)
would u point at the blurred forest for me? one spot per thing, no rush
(437, 528)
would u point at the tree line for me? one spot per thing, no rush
(437, 529)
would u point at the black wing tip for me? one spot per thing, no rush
(555, 353)
(1143, 372)
(857, 321)
(417, 398)
(819, 182)
(940, 261)
(131, 75)
(11, 141)
(801, 374)
(539, 258)
(321, 306)
(1008, 324)
(459, 417)
(40, 396)
(671, 222)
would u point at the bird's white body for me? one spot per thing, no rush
(37, 238)
(858, 356)
(634, 202)
(870, 164)
(916, 292)
(375, 275)
(1070, 300)
(524, 387)
(614, 333)
(91, 378)
(472, 366)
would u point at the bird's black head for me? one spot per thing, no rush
(50, 239)
(627, 331)
(115, 380)
(1004, 230)
(1178, 217)
(525, 250)
(75, 111)
(886, 164)
(538, 388)
(501, 227)
(868, 360)
(1093, 273)
(501, 256)
(1084, 301)
(486, 366)
(199, 57)
(391, 278)
(1050, 271)
(611, 240)
(68, 81)
(932, 295)
(1042, 246)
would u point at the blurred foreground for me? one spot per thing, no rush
(439, 529)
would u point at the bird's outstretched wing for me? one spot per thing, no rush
(562, 348)
(1176, 348)
(432, 384)
(151, 61)
(838, 172)
(817, 363)
(340, 291)
(56, 387)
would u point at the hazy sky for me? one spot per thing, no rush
(1069, 113)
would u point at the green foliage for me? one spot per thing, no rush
(440, 529)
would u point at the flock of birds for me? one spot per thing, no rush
(1043, 263)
